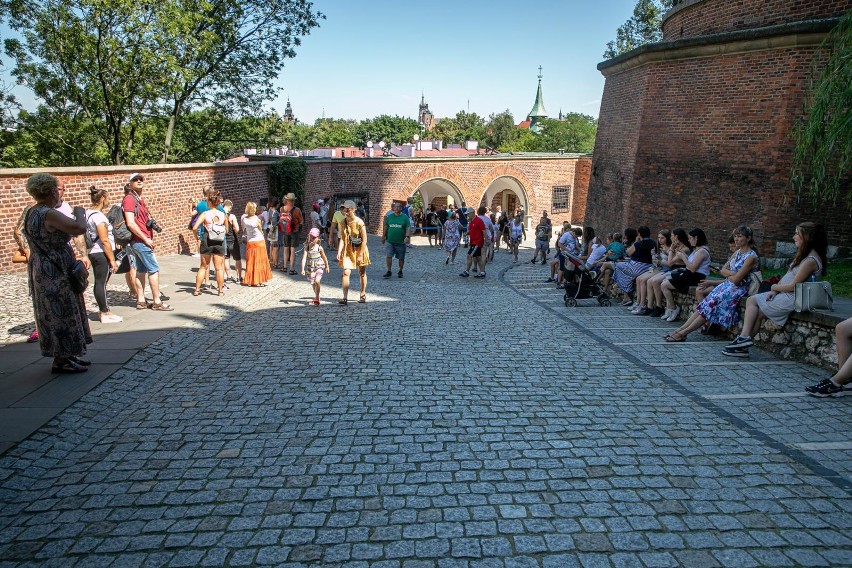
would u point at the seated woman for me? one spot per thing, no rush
(697, 267)
(644, 299)
(808, 266)
(588, 236)
(706, 286)
(656, 300)
(640, 253)
(616, 252)
(596, 254)
(722, 305)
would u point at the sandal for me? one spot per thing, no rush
(161, 307)
(67, 368)
(671, 339)
(196, 292)
(292, 272)
(362, 299)
(80, 360)
(342, 302)
(143, 305)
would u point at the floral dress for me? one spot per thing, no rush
(721, 306)
(451, 235)
(61, 318)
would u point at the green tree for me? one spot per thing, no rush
(823, 156)
(500, 130)
(391, 129)
(575, 133)
(464, 126)
(47, 138)
(333, 132)
(120, 62)
(645, 26)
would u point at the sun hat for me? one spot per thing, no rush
(349, 204)
(314, 232)
(290, 197)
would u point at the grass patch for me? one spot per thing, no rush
(839, 274)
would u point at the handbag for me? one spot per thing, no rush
(812, 296)
(18, 257)
(676, 273)
(755, 280)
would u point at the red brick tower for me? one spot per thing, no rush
(695, 130)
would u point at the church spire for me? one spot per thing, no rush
(538, 111)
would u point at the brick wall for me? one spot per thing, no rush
(384, 180)
(705, 141)
(716, 16)
(168, 190)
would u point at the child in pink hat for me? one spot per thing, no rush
(314, 263)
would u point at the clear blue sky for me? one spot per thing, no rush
(372, 58)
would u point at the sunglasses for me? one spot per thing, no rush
(140, 179)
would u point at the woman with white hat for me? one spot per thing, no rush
(352, 250)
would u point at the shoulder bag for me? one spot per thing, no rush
(755, 279)
(812, 296)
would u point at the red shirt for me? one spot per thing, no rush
(129, 205)
(476, 230)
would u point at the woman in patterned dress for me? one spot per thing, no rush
(61, 319)
(722, 305)
(452, 236)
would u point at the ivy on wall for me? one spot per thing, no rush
(287, 175)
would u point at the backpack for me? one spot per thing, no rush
(216, 231)
(541, 233)
(90, 241)
(120, 232)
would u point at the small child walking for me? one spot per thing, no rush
(315, 261)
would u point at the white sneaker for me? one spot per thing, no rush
(635, 308)
(666, 314)
(674, 314)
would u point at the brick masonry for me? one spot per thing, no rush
(169, 189)
(385, 180)
(706, 17)
(705, 141)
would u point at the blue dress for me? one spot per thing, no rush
(722, 305)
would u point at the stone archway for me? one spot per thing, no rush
(509, 193)
(437, 188)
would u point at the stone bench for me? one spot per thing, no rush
(806, 337)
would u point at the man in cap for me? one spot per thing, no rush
(396, 234)
(141, 225)
(289, 225)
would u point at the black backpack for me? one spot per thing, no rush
(120, 232)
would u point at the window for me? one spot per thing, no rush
(561, 200)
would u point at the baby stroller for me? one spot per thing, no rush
(581, 283)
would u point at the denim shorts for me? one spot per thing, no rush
(395, 250)
(146, 261)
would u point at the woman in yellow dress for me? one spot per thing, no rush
(352, 250)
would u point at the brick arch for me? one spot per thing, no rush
(438, 171)
(519, 176)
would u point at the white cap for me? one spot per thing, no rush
(134, 176)
(320, 201)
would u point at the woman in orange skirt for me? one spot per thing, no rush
(257, 272)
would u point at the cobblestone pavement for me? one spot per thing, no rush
(448, 422)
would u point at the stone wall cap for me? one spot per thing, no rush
(123, 169)
(796, 28)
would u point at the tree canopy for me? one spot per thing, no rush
(645, 26)
(822, 163)
(119, 63)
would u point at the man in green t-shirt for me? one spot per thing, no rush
(396, 234)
